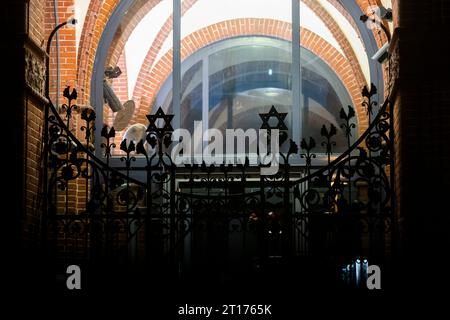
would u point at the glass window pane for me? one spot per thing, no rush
(142, 49)
(323, 96)
(245, 50)
(247, 76)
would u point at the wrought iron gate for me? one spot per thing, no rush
(216, 221)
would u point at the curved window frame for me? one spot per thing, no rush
(308, 60)
(112, 25)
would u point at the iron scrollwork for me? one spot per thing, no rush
(341, 209)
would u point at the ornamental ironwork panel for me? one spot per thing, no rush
(217, 219)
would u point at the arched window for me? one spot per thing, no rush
(229, 61)
(245, 76)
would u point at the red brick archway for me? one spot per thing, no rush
(119, 41)
(340, 38)
(97, 16)
(99, 12)
(129, 22)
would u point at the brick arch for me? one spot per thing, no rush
(117, 50)
(99, 12)
(121, 38)
(342, 10)
(138, 12)
(97, 16)
(129, 22)
(165, 31)
(340, 37)
(151, 82)
(380, 37)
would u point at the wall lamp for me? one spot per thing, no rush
(378, 15)
(71, 22)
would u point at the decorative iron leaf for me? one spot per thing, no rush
(104, 132)
(328, 133)
(88, 114)
(369, 93)
(66, 92)
(73, 95)
(167, 141)
(140, 149)
(127, 148)
(108, 134)
(333, 130)
(70, 95)
(373, 89)
(152, 141)
(365, 92)
(203, 166)
(308, 146)
(112, 133)
(312, 143)
(342, 114)
(293, 148)
(304, 144)
(324, 131)
(131, 146)
(351, 112)
(347, 116)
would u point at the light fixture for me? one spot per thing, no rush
(72, 22)
(382, 54)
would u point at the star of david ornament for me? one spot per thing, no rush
(281, 126)
(273, 113)
(153, 118)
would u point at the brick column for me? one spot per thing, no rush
(422, 111)
(23, 99)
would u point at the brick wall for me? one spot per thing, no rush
(36, 20)
(41, 22)
(24, 39)
(34, 116)
(97, 16)
(67, 42)
(68, 77)
(423, 131)
(129, 22)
